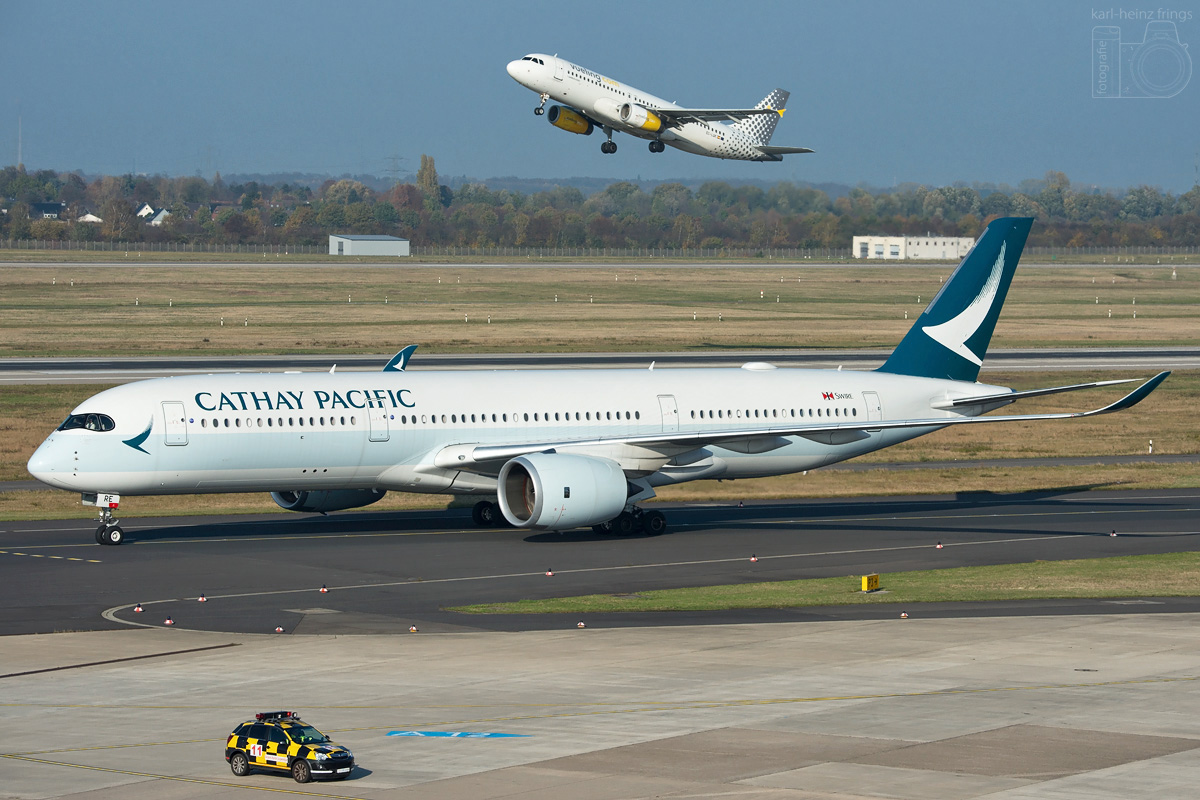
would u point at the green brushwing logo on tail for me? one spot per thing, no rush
(951, 337)
(137, 441)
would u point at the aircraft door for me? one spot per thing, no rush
(670, 412)
(874, 410)
(379, 425)
(559, 69)
(176, 423)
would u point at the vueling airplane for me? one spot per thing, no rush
(590, 100)
(556, 449)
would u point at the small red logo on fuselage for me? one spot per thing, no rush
(827, 395)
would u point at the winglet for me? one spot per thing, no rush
(400, 360)
(1136, 396)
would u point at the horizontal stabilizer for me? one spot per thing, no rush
(773, 150)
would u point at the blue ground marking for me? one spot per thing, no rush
(458, 735)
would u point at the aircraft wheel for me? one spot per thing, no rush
(654, 523)
(111, 535)
(539, 111)
(624, 524)
(100, 534)
(603, 528)
(484, 514)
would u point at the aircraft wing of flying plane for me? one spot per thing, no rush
(590, 100)
(544, 449)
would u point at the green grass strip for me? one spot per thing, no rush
(1166, 575)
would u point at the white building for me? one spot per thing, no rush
(927, 247)
(368, 246)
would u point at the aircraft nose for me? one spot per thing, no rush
(45, 464)
(514, 68)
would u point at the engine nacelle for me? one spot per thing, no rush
(323, 502)
(568, 120)
(555, 491)
(637, 117)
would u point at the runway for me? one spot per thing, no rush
(121, 370)
(386, 572)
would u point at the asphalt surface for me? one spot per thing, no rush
(118, 370)
(388, 571)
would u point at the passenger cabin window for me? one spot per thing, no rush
(88, 422)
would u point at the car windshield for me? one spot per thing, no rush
(306, 734)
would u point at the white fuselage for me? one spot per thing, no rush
(391, 430)
(601, 97)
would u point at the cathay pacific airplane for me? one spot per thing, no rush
(547, 449)
(590, 100)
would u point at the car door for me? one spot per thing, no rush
(256, 745)
(277, 749)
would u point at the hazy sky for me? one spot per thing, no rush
(884, 91)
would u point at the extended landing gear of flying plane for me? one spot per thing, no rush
(656, 146)
(109, 531)
(627, 523)
(608, 147)
(541, 107)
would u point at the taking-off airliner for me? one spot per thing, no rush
(547, 449)
(590, 100)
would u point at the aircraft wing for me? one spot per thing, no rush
(679, 116)
(488, 458)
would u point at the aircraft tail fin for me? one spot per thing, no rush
(761, 127)
(950, 338)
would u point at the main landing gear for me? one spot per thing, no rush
(627, 523)
(109, 531)
(486, 514)
(609, 147)
(541, 107)
(657, 146)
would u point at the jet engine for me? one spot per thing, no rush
(323, 502)
(568, 120)
(554, 491)
(637, 117)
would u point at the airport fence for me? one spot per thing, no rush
(163, 247)
(599, 253)
(785, 253)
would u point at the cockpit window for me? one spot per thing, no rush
(89, 422)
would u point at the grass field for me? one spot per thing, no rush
(64, 309)
(1169, 575)
(97, 311)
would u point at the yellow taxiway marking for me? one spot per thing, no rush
(38, 555)
(180, 778)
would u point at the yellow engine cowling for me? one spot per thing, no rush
(568, 120)
(637, 117)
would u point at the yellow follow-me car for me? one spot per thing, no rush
(281, 742)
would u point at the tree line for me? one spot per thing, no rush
(670, 215)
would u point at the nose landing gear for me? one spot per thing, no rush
(541, 107)
(109, 532)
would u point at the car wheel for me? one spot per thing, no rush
(300, 771)
(239, 764)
